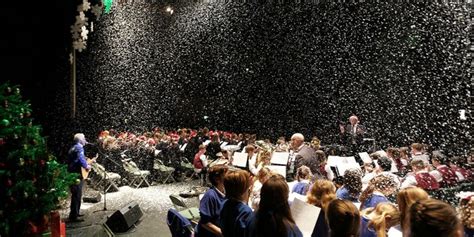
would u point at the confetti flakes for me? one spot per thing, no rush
(277, 69)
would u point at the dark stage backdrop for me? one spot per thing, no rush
(273, 69)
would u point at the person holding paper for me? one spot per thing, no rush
(273, 217)
(321, 194)
(303, 155)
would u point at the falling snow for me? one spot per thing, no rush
(276, 69)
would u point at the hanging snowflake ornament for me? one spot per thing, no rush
(86, 5)
(84, 33)
(79, 45)
(97, 10)
(71, 58)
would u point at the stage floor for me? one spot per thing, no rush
(154, 202)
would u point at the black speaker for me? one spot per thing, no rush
(126, 217)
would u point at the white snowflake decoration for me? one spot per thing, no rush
(79, 45)
(86, 5)
(84, 33)
(97, 10)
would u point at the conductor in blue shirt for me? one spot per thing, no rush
(76, 161)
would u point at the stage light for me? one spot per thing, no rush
(169, 10)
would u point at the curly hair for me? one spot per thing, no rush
(322, 192)
(353, 182)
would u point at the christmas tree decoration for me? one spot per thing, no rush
(5, 122)
(27, 171)
(108, 5)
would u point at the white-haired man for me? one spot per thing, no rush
(76, 161)
(303, 155)
(353, 134)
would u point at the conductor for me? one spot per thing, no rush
(353, 134)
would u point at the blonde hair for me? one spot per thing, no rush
(322, 193)
(467, 212)
(405, 198)
(303, 172)
(379, 220)
(263, 174)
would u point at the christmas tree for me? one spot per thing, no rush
(32, 181)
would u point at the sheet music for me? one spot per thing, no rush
(278, 169)
(206, 142)
(343, 163)
(357, 204)
(240, 159)
(280, 158)
(365, 157)
(333, 160)
(305, 216)
(183, 146)
(223, 145)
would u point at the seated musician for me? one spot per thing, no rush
(200, 162)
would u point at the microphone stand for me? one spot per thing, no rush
(105, 177)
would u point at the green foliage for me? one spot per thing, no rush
(32, 181)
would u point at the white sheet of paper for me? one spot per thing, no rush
(365, 157)
(240, 159)
(342, 167)
(293, 196)
(305, 216)
(333, 160)
(357, 204)
(278, 169)
(395, 232)
(223, 145)
(157, 152)
(280, 158)
(183, 146)
(382, 153)
(206, 142)
(394, 168)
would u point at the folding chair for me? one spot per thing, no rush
(190, 213)
(164, 170)
(108, 179)
(179, 225)
(187, 167)
(136, 176)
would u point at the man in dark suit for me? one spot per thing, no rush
(353, 134)
(304, 155)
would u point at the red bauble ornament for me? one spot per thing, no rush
(2, 141)
(42, 162)
(9, 183)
